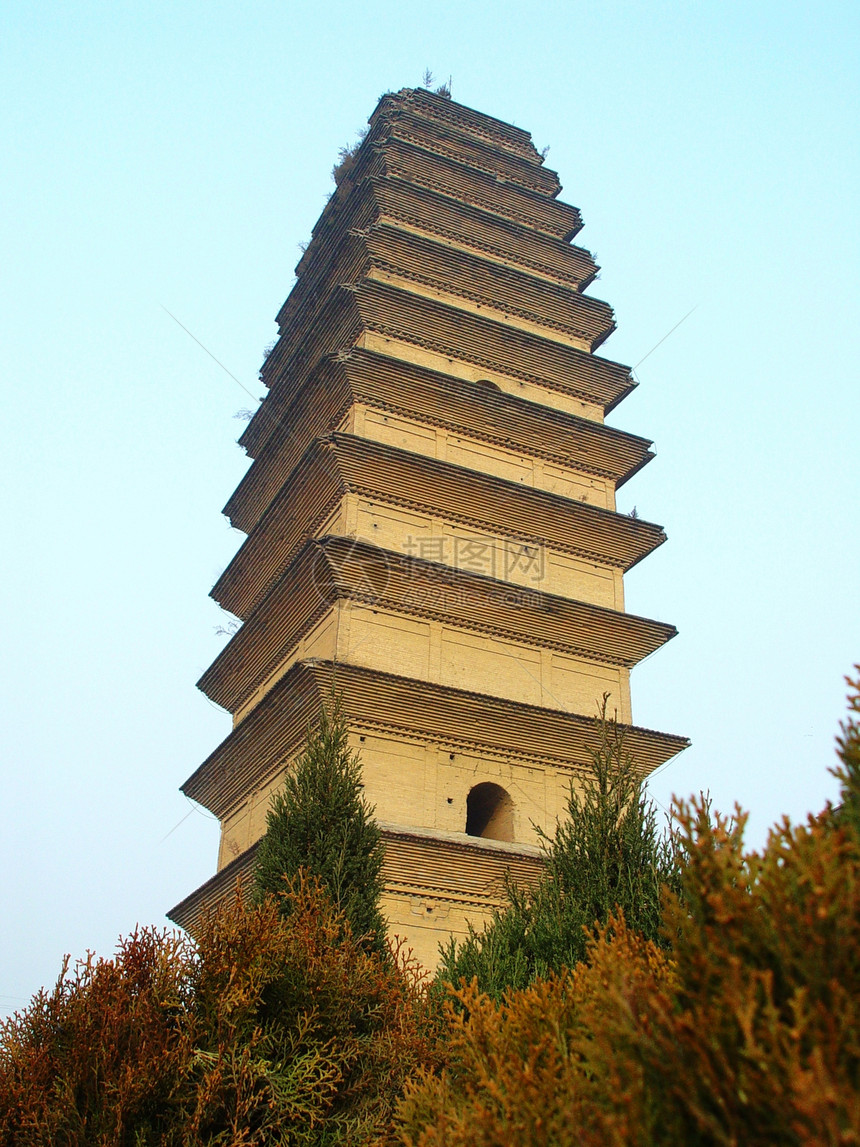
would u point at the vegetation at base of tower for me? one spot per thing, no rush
(320, 823)
(608, 854)
(275, 1028)
(312, 1040)
(743, 1028)
(738, 1023)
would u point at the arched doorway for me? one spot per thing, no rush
(490, 812)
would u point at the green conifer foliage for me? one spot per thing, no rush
(848, 750)
(607, 854)
(321, 823)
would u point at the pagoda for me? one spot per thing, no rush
(431, 523)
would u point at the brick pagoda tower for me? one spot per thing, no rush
(430, 520)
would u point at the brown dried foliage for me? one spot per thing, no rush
(270, 1031)
(104, 1052)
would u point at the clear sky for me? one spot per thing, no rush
(175, 155)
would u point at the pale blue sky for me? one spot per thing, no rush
(177, 154)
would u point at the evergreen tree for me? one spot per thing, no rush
(320, 822)
(607, 854)
(848, 771)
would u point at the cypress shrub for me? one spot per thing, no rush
(320, 823)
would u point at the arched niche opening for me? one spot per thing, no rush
(490, 812)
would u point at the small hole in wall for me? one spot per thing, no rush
(450, 756)
(450, 800)
(429, 909)
(362, 738)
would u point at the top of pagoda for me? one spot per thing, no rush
(446, 113)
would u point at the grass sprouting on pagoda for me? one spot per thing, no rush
(431, 524)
